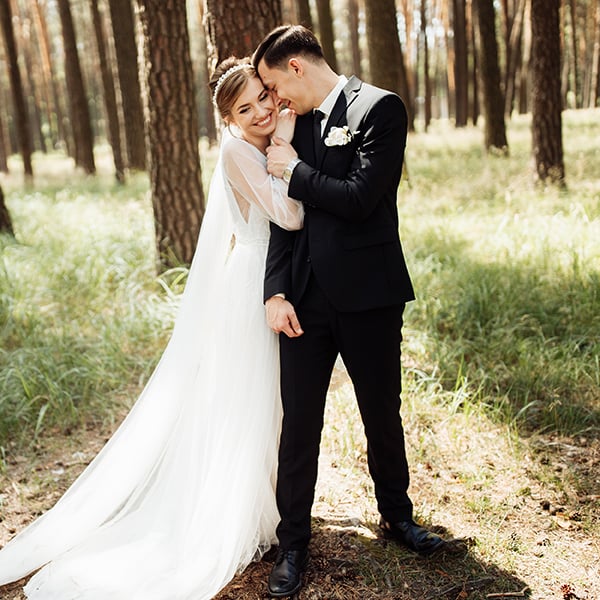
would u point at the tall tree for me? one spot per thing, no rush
(55, 101)
(386, 59)
(353, 27)
(595, 74)
(5, 221)
(80, 111)
(461, 65)
(546, 95)
(304, 15)
(121, 16)
(514, 38)
(489, 75)
(18, 94)
(172, 130)
(326, 36)
(236, 27)
(110, 97)
(425, 68)
(3, 147)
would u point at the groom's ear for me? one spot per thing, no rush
(296, 65)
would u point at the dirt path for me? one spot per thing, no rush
(530, 521)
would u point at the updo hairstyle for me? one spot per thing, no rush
(229, 89)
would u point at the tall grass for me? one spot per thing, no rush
(507, 276)
(82, 318)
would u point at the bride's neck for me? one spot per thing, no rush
(259, 142)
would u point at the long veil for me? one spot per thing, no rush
(113, 483)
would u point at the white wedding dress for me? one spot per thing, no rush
(182, 496)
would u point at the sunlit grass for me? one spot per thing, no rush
(507, 318)
(507, 273)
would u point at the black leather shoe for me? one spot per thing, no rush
(286, 575)
(413, 536)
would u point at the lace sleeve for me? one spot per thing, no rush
(245, 169)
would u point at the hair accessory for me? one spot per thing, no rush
(225, 76)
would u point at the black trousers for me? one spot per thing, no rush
(369, 344)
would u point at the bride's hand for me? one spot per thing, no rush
(286, 121)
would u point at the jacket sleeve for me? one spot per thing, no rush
(278, 271)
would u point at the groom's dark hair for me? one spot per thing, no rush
(285, 41)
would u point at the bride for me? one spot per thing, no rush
(182, 496)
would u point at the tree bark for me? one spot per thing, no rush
(489, 75)
(3, 147)
(121, 16)
(386, 60)
(353, 25)
(513, 56)
(56, 105)
(595, 74)
(80, 112)
(22, 119)
(326, 36)
(110, 97)
(237, 27)
(304, 15)
(172, 129)
(461, 64)
(5, 221)
(546, 94)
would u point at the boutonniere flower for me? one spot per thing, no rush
(339, 136)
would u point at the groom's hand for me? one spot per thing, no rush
(279, 155)
(281, 317)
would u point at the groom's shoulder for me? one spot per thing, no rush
(370, 92)
(372, 96)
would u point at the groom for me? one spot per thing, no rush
(338, 286)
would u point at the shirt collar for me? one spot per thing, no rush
(327, 105)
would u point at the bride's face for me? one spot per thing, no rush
(254, 111)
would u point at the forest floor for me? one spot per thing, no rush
(531, 526)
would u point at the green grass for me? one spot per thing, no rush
(507, 274)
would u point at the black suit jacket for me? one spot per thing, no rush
(350, 236)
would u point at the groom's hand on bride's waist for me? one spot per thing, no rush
(281, 317)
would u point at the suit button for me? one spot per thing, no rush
(308, 259)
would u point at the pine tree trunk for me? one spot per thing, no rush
(55, 102)
(80, 111)
(326, 36)
(238, 26)
(18, 94)
(546, 95)
(110, 97)
(513, 56)
(5, 222)
(489, 75)
(121, 16)
(461, 65)
(3, 147)
(595, 74)
(175, 175)
(386, 60)
(304, 15)
(353, 25)
(426, 77)
(208, 126)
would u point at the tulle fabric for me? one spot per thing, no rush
(182, 496)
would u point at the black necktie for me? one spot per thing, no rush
(317, 118)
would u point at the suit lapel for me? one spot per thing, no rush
(345, 99)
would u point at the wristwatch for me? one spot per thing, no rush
(287, 172)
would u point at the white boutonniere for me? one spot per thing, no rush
(339, 136)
